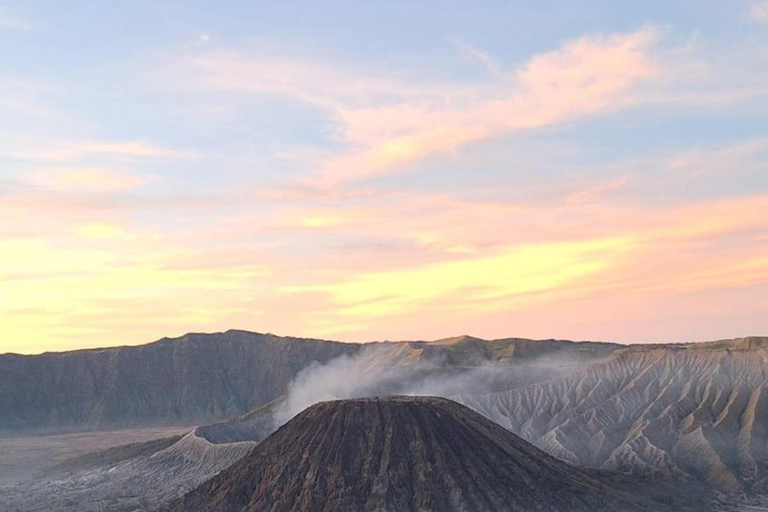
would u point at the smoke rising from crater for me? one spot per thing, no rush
(376, 371)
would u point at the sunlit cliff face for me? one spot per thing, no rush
(499, 170)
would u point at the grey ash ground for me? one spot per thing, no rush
(695, 415)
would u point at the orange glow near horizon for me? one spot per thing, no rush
(103, 286)
(611, 185)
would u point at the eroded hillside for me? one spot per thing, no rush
(696, 411)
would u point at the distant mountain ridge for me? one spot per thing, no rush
(203, 378)
(197, 378)
(206, 378)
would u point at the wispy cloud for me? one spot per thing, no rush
(27, 98)
(515, 271)
(328, 85)
(742, 156)
(387, 123)
(452, 257)
(395, 122)
(10, 21)
(78, 295)
(101, 231)
(72, 151)
(655, 255)
(84, 180)
(473, 54)
(525, 197)
(758, 11)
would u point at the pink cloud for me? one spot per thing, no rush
(758, 11)
(387, 123)
(590, 75)
(85, 180)
(452, 254)
(73, 151)
(11, 21)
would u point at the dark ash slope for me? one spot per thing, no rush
(405, 454)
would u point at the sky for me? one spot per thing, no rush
(382, 170)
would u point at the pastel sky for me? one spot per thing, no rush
(382, 170)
